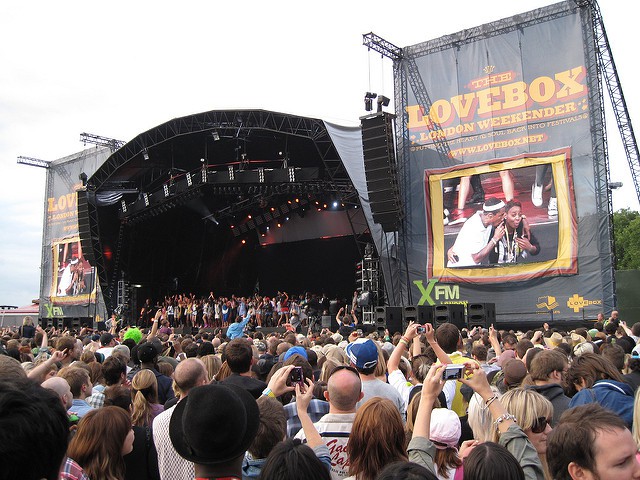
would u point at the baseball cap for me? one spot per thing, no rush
(295, 351)
(105, 339)
(363, 353)
(445, 428)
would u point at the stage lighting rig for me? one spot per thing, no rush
(112, 143)
(368, 101)
(382, 102)
(34, 162)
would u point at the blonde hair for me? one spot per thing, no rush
(212, 363)
(527, 406)
(480, 419)
(144, 392)
(327, 368)
(381, 367)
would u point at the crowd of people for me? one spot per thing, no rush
(356, 403)
(219, 311)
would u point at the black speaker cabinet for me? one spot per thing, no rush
(425, 314)
(329, 321)
(409, 314)
(449, 314)
(380, 169)
(393, 319)
(481, 315)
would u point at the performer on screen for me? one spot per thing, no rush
(474, 241)
(65, 287)
(517, 242)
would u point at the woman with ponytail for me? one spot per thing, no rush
(144, 395)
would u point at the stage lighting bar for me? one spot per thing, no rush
(146, 199)
(165, 189)
(124, 206)
(204, 174)
(189, 180)
(292, 174)
(232, 174)
(34, 162)
(261, 175)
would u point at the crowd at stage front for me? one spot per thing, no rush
(239, 400)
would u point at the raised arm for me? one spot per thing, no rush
(303, 399)
(431, 338)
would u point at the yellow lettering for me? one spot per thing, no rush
(440, 111)
(463, 104)
(570, 82)
(515, 95)
(486, 103)
(542, 89)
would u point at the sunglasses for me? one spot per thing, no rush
(540, 424)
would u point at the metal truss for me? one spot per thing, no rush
(335, 179)
(241, 120)
(607, 68)
(389, 50)
(112, 143)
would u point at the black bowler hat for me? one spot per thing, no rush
(214, 424)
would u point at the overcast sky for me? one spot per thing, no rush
(119, 68)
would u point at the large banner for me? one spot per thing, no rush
(500, 178)
(68, 286)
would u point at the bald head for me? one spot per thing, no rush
(344, 390)
(61, 388)
(189, 373)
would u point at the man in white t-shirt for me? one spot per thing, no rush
(474, 242)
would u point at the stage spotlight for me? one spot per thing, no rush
(382, 102)
(244, 241)
(335, 204)
(145, 154)
(216, 136)
(368, 101)
(279, 225)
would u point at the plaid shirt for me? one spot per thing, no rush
(71, 471)
(96, 400)
(317, 409)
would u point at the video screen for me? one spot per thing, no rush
(73, 276)
(509, 219)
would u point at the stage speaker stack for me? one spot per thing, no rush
(329, 321)
(425, 314)
(481, 315)
(393, 319)
(409, 314)
(380, 319)
(83, 226)
(453, 313)
(380, 169)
